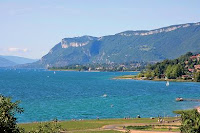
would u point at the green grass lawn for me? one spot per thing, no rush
(92, 124)
(126, 77)
(174, 128)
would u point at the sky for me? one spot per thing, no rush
(30, 28)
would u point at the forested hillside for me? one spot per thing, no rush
(185, 67)
(150, 46)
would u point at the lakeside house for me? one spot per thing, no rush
(198, 109)
(186, 77)
(197, 67)
(190, 70)
(195, 57)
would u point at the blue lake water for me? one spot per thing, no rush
(78, 95)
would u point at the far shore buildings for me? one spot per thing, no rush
(195, 57)
(198, 109)
(197, 67)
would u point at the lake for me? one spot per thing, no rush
(67, 95)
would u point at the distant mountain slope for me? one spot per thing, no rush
(148, 45)
(5, 63)
(19, 60)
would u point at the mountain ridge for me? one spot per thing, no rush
(10, 61)
(142, 45)
(5, 63)
(159, 30)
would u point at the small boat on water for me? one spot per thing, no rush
(54, 72)
(167, 84)
(105, 95)
(179, 99)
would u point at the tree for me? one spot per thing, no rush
(190, 121)
(197, 76)
(50, 127)
(8, 109)
(149, 74)
(174, 71)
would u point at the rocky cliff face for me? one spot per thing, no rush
(153, 45)
(151, 32)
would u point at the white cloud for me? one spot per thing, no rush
(18, 50)
(19, 11)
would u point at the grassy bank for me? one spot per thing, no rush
(87, 125)
(126, 77)
(155, 79)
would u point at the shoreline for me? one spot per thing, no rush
(89, 71)
(135, 78)
(70, 120)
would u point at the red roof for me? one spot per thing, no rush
(197, 66)
(185, 76)
(193, 57)
(191, 70)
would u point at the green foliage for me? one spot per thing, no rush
(182, 111)
(190, 122)
(140, 75)
(8, 109)
(149, 74)
(197, 76)
(172, 69)
(175, 71)
(50, 127)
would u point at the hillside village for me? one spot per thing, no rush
(186, 67)
(192, 65)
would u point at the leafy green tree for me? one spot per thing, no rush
(50, 127)
(157, 72)
(197, 76)
(177, 71)
(168, 71)
(8, 121)
(190, 121)
(140, 75)
(174, 71)
(149, 74)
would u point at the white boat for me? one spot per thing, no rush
(105, 95)
(167, 84)
(54, 72)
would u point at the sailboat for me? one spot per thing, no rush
(105, 95)
(167, 84)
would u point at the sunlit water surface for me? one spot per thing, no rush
(46, 95)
